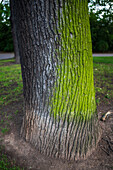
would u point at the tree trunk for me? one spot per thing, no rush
(57, 69)
(14, 32)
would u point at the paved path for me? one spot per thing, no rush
(6, 56)
(103, 55)
(11, 55)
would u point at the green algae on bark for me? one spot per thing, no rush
(73, 93)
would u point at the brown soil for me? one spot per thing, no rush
(28, 157)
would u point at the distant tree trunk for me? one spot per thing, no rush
(57, 69)
(14, 32)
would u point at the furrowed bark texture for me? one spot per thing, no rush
(57, 69)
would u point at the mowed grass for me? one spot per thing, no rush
(6, 163)
(105, 60)
(103, 76)
(10, 93)
(11, 89)
(3, 62)
(10, 82)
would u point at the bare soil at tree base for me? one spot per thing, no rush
(25, 155)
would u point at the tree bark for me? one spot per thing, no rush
(14, 31)
(57, 69)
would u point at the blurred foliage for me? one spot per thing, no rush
(101, 21)
(6, 42)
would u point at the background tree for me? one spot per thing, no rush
(14, 33)
(8, 30)
(6, 42)
(101, 21)
(57, 69)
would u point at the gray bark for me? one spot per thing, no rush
(60, 116)
(14, 31)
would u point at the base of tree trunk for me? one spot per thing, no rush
(71, 141)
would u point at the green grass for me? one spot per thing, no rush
(6, 164)
(3, 62)
(10, 92)
(103, 76)
(10, 83)
(107, 60)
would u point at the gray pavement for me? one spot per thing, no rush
(11, 55)
(103, 55)
(6, 56)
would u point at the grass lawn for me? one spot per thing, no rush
(103, 77)
(11, 95)
(6, 163)
(106, 60)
